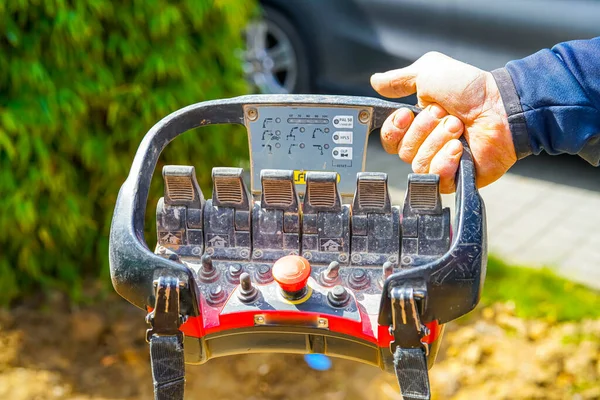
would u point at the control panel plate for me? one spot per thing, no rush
(308, 139)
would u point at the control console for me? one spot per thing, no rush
(310, 256)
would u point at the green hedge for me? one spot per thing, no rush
(81, 82)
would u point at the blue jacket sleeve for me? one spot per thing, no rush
(552, 99)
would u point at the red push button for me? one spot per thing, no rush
(292, 273)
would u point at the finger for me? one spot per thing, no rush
(445, 164)
(423, 124)
(396, 83)
(394, 128)
(450, 128)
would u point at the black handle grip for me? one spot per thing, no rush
(134, 266)
(453, 282)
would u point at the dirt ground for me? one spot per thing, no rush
(99, 353)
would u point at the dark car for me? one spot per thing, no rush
(333, 46)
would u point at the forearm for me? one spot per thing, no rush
(552, 99)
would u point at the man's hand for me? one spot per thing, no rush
(458, 99)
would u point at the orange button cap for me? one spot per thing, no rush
(291, 272)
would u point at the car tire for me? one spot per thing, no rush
(276, 60)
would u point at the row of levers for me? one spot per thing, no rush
(233, 226)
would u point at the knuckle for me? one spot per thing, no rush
(432, 55)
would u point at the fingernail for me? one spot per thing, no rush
(437, 111)
(453, 124)
(402, 118)
(378, 77)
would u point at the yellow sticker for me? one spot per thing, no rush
(300, 177)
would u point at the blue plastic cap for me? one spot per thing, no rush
(320, 362)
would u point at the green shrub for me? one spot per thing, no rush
(81, 82)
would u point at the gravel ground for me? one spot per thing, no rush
(99, 353)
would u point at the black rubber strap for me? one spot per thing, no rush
(412, 374)
(168, 367)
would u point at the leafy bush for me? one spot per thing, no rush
(80, 84)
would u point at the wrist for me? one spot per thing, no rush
(498, 114)
(511, 106)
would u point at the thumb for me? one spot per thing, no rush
(396, 83)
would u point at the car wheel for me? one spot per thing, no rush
(275, 60)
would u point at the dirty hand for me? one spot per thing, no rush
(458, 99)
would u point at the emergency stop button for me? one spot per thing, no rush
(292, 273)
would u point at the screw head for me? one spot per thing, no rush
(363, 116)
(252, 114)
(322, 323)
(244, 253)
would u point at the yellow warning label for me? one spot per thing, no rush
(300, 177)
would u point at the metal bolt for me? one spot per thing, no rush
(356, 258)
(343, 257)
(363, 116)
(252, 114)
(322, 323)
(259, 320)
(258, 253)
(244, 253)
(307, 255)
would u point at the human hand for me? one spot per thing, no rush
(457, 99)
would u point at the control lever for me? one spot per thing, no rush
(227, 216)
(276, 218)
(179, 212)
(325, 220)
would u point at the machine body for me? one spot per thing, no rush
(313, 257)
